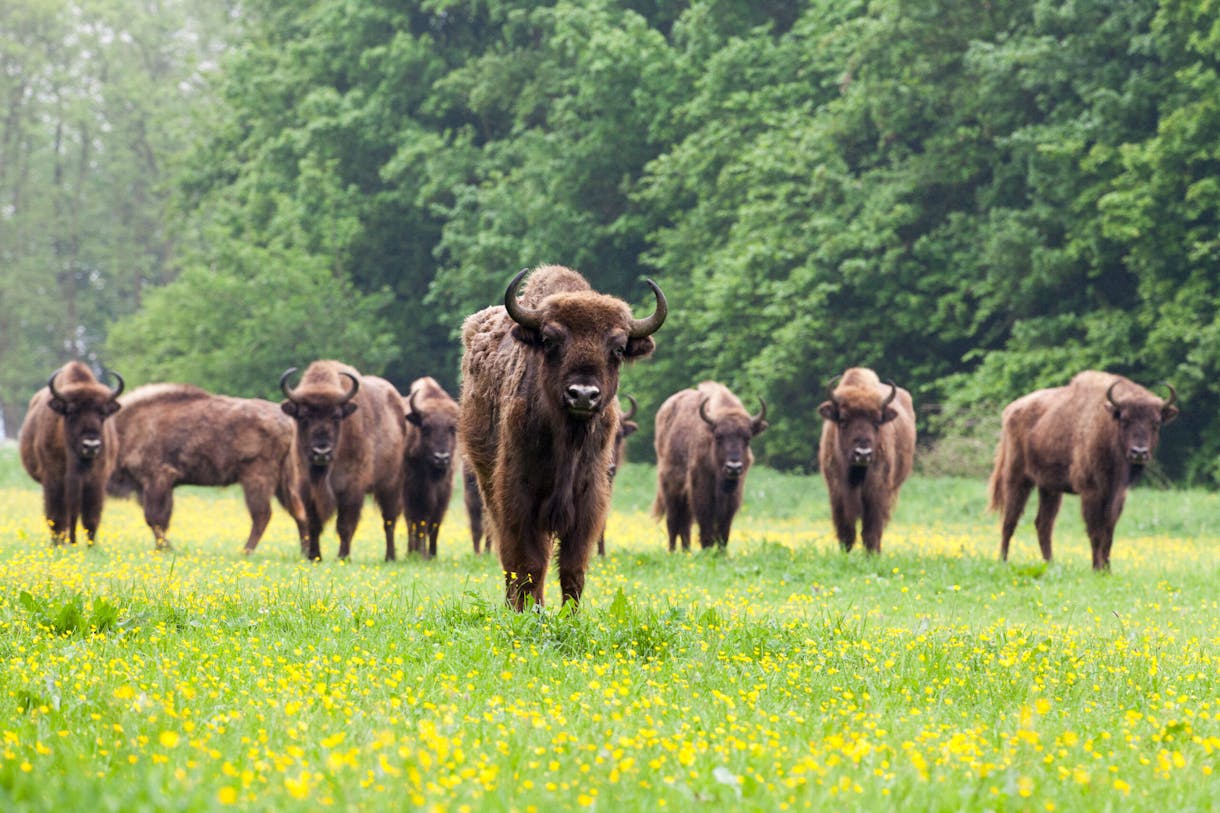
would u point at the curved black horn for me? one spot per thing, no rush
(762, 415)
(634, 407)
(703, 413)
(1110, 394)
(284, 384)
(830, 388)
(115, 392)
(650, 324)
(355, 387)
(893, 394)
(51, 384)
(526, 317)
(1173, 395)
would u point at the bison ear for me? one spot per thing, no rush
(414, 418)
(58, 405)
(1168, 413)
(828, 411)
(290, 408)
(110, 407)
(758, 426)
(531, 337)
(629, 428)
(347, 409)
(640, 348)
(888, 414)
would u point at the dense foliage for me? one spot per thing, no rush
(976, 199)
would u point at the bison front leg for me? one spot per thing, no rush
(1093, 507)
(573, 564)
(872, 524)
(91, 508)
(55, 511)
(524, 557)
(1048, 508)
(312, 546)
(348, 517)
(843, 512)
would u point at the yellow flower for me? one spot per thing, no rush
(227, 796)
(169, 739)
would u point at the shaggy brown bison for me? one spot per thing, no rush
(431, 434)
(865, 453)
(69, 447)
(703, 454)
(626, 428)
(538, 420)
(178, 434)
(348, 443)
(1092, 438)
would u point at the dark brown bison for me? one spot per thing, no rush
(178, 434)
(865, 453)
(348, 443)
(69, 447)
(703, 454)
(538, 420)
(626, 428)
(1092, 438)
(431, 435)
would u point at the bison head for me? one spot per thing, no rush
(859, 413)
(731, 433)
(84, 408)
(583, 338)
(626, 427)
(1139, 420)
(437, 431)
(318, 413)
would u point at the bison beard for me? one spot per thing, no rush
(538, 420)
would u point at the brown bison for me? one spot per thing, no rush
(178, 434)
(626, 428)
(703, 454)
(431, 434)
(69, 447)
(865, 453)
(1092, 438)
(538, 419)
(348, 443)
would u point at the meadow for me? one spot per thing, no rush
(779, 675)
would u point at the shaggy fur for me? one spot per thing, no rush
(542, 468)
(431, 435)
(702, 466)
(177, 434)
(69, 447)
(1074, 440)
(363, 440)
(865, 453)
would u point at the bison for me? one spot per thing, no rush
(1093, 438)
(626, 428)
(431, 434)
(69, 447)
(348, 443)
(703, 454)
(865, 453)
(538, 419)
(178, 434)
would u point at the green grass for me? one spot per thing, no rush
(779, 674)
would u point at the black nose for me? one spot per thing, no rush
(320, 455)
(862, 455)
(89, 447)
(733, 468)
(582, 397)
(441, 458)
(1139, 454)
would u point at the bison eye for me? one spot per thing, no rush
(619, 353)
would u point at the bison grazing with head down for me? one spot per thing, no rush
(348, 443)
(1092, 438)
(432, 418)
(539, 376)
(865, 453)
(703, 453)
(178, 434)
(69, 447)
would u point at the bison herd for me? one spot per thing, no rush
(540, 430)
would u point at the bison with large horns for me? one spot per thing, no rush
(538, 419)
(348, 443)
(179, 434)
(68, 445)
(1093, 438)
(431, 427)
(703, 454)
(865, 453)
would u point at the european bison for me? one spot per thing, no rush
(703, 453)
(431, 434)
(1092, 438)
(178, 434)
(626, 428)
(348, 443)
(865, 453)
(69, 447)
(538, 419)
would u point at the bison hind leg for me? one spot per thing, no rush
(1015, 497)
(1048, 508)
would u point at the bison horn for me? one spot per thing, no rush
(117, 391)
(51, 384)
(284, 384)
(411, 401)
(1173, 395)
(1110, 394)
(634, 407)
(830, 389)
(762, 415)
(526, 317)
(890, 398)
(703, 413)
(650, 324)
(355, 387)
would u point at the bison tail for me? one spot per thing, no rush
(658, 507)
(995, 485)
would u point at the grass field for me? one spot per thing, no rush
(781, 675)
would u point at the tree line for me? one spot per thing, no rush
(975, 199)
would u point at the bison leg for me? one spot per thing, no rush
(601, 544)
(348, 517)
(313, 544)
(678, 521)
(55, 510)
(1015, 498)
(872, 524)
(389, 500)
(91, 508)
(158, 508)
(1048, 508)
(258, 503)
(434, 532)
(1100, 535)
(845, 523)
(573, 563)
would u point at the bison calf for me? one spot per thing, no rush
(178, 434)
(866, 451)
(1093, 438)
(69, 447)
(703, 453)
(431, 434)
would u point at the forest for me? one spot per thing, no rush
(976, 199)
